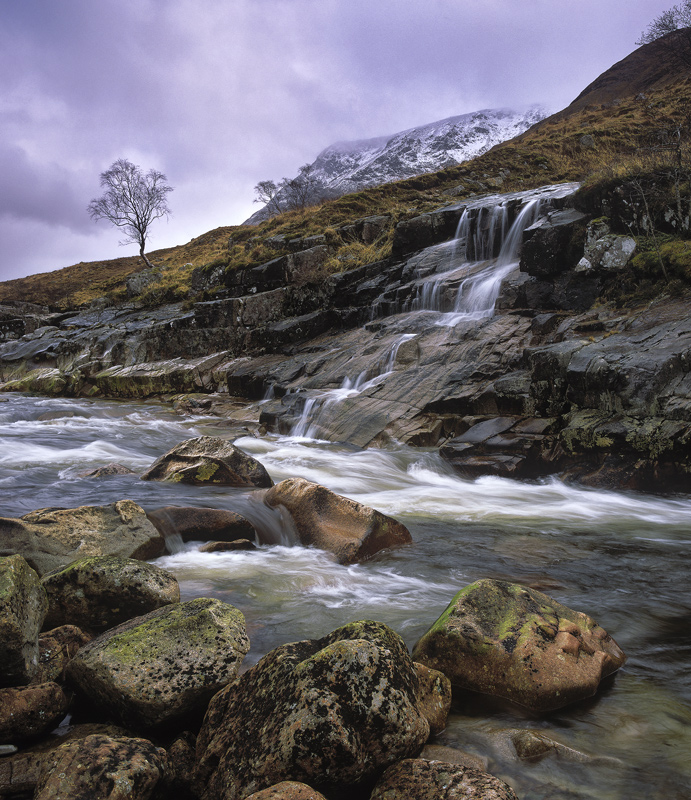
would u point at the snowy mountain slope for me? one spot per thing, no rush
(350, 166)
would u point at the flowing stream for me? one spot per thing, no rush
(622, 558)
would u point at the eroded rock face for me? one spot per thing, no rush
(54, 537)
(28, 711)
(437, 780)
(23, 606)
(330, 712)
(110, 768)
(208, 460)
(163, 666)
(508, 640)
(100, 592)
(351, 531)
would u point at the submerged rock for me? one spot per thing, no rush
(504, 639)
(102, 591)
(109, 768)
(330, 712)
(163, 666)
(437, 780)
(208, 460)
(54, 537)
(23, 606)
(351, 531)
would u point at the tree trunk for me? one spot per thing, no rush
(146, 260)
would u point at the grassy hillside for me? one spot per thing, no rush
(600, 136)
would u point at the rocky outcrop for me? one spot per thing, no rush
(323, 519)
(23, 606)
(52, 538)
(507, 640)
(211, 461)
(110, 768)
(434, 780)
(331, 713)
(102, 591)
(164, 666)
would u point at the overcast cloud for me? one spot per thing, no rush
(220, 94)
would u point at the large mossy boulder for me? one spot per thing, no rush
(54, 537)
(103, 767)
(437, 780)
(100, 592)
(23, 606)
(208, 461)
(507, 640)
(332, 713)
(349, 530)
(162, 667)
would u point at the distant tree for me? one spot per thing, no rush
(291, 193)
(267, 193)
(676, 18)
(132, 201)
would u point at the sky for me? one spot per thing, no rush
(221, 94)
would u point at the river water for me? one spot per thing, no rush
(622, 558)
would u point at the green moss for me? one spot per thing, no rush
(206, 472)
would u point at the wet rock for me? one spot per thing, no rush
(201, 524)
(451, 755)
(102, 591)
(56, 648)
(504, 639)
(164, 666)
(287, 790)
(553, 244)
(208, 460)
(108, 470)
(227, 547)
(54, 537)
(351, 531)
(23, 606)
(330, 712)
(437, 780)
(105, 767)
(434, 697)
(29, 711)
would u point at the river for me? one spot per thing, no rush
(623, 558)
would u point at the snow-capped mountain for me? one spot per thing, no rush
(350, 166)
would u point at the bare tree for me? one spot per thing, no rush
(132, 201)
(291, 193)
(268, 193)
(677, 45)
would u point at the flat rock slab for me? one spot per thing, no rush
(100, 592)
(323, 519)
(164, 666)
(330, 712)
(208, 460)
(507, 640)
(54, 537)
(23, 606)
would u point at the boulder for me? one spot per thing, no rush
(23, 606)
(102, 591)
(208, 460)
(288, 790)
(107, 471)
(439, 752)
(56, 649)
(507, 640)
(330, 712)
(553, 244)
(164, 666)
(54, 537)
(349, 530)
(434, 697)
(29, 711)
(437, 780)
(201, 524)
(227, 547)
(109, 768)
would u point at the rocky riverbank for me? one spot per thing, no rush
(158, 700)
(554, 379)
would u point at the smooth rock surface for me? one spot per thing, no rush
(23, 606)
(504, 639)
(100, 592)
(54, 537)
(164, 666)
(349, 530)
(330, 712)
(201, 524)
